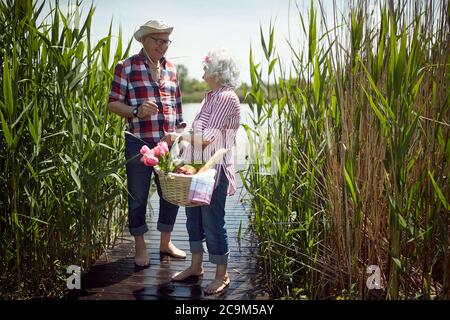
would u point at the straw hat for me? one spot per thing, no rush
(150, 27)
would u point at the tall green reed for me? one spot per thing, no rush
(62, 172)
(361, 176)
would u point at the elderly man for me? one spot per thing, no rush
(145, 91)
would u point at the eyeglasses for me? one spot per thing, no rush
(161, 42)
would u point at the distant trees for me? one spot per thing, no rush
(182, 74)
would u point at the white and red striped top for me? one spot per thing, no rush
(218, 121)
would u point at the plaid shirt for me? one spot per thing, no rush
(133, 84)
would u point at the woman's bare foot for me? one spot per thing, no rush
(218, 285)
(172, 251)
(189, 272)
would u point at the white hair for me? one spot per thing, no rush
(223, 66)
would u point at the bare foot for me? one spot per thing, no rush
(172, 251)
(180, 276)
(218, 285)
(141, 258)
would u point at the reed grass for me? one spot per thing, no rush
(362, 120)
(62, 198)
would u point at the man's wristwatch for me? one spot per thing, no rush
(135, 112)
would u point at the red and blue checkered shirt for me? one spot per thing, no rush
(133, 84)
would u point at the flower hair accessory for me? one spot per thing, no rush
(206, 61)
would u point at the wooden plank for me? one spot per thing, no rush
(161, 271)
(114, 276)
(233, 249)
(171, 290)
(128, 264)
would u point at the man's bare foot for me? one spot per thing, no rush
(217, 285)
(189, 272)
(172, 251)
(141, 256)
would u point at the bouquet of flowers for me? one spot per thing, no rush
(168, 162)
(178, 189)
(159, 156)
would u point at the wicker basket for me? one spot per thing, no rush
(175, 188)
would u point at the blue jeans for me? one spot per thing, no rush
(138, 179)
(208, 223)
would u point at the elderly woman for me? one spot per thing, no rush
(216, 123)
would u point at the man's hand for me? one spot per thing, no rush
(180, 128)
(147, 109)
(169, 138)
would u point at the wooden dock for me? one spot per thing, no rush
(114, 276)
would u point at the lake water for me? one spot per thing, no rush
(190, 111)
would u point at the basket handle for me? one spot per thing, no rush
(175, 149)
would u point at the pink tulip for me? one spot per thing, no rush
(164, 146)
(149, 160)
(159, 152)
(145, 149)
(144, 156)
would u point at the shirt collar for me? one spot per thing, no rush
(162, 61)
(219, 90)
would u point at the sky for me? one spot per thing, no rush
(201, 25)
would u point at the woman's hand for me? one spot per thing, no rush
(193, 139)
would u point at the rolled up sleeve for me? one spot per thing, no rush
(119, 84)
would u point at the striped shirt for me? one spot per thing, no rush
(133, 84)
(218, 121)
